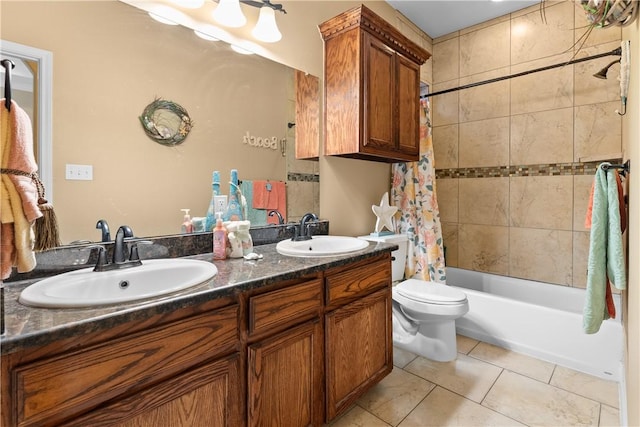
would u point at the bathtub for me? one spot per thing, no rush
(538, 319)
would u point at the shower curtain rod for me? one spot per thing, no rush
(617, 51)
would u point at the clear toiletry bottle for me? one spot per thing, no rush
(215, 184)
(187, 224)
(219, 240)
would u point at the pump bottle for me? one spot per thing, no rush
(187, 224)
(219, 239)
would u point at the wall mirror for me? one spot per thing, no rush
(110, 60)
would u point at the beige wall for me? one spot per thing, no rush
(525, 222)
(631, 315)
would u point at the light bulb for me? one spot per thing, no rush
(229, 14)
(266, 29)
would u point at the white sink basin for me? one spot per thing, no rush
(321, 246)
(87, 288)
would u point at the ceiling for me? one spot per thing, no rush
(437, 17)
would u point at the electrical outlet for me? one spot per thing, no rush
(220, 203)
(79, 172)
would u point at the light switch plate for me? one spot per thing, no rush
(79, 172)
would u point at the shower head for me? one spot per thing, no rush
(602, 74)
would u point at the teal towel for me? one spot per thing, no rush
(606, 255)
(256, 216)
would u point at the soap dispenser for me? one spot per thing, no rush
(187, 224)
(219, 239)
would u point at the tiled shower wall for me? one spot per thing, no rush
(515, 159)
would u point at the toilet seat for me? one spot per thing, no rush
(430, 292)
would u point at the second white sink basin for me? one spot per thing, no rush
(87, 288)
(321, 246)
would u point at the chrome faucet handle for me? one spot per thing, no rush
(133, 252)
(295, 231)
(102, 257)
(309, 230)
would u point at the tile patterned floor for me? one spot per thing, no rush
(485, 386)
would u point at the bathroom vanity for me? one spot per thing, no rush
(278, 341)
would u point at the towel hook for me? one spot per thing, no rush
(8, 65)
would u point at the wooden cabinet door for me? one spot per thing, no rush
(359, 350)
(408, 101)
(284, 385)
(379, 96)
(207, 396)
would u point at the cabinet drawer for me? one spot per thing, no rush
(54, 389)
(358, 280)
(275, 310)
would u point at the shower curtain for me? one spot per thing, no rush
(413, 191)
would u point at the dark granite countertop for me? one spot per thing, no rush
(29, 327)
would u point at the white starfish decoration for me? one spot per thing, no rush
(385, 213)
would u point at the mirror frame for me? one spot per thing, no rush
(44, 80)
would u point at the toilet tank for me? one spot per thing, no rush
(398, 257)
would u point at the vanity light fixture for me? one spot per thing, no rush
(229, 13)
(266, 29)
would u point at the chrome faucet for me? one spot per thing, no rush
(278, 214)
(104, 227)
(307, 223)
(119, 251)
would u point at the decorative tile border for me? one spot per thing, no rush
(305, 177)
(550, 169)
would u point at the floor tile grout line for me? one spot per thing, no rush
(418, 404)
(511, 370)
(492, 385)
(374, 415)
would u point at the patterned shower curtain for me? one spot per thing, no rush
(413, 191)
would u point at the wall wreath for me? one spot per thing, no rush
(166, 122)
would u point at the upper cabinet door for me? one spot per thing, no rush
(408, 102)
(372, 86)
(379, 92)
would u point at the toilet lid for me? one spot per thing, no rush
(437, 293)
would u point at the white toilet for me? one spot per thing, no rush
(424, 313)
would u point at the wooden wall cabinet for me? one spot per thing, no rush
(372, 88)
(307, 125)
